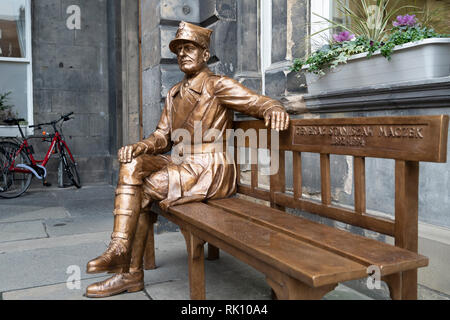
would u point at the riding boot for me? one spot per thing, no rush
(133, 280)
(117, 256)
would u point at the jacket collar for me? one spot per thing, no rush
(196, 83)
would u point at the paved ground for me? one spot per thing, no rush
(48, 235)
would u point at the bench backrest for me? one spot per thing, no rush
(407, 140)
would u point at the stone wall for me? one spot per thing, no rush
(70, 73)
(289, 18)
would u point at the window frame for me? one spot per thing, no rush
(265, 7)
(329, 10)
(8, 131)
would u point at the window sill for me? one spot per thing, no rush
(9, 131)
(18, 60)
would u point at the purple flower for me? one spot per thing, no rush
(343, 36)
(406, 20)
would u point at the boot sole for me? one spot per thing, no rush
(118, 269)
(131, 289)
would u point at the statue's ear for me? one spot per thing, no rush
(206, 55)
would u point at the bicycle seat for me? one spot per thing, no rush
(12, 121)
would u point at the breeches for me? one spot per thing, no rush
(150, 172)
(173, 181)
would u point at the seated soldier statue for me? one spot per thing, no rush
(148, 174)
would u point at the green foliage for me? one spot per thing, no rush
(330, 56)
(369, 18)
(371, 24)
(3, 101)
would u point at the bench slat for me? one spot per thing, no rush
(366, 221)
(360, 184)
(305, 262)
(325, 178)
(366, 251)
(278, 180)
(297, 174)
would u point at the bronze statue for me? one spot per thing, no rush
(147, 174)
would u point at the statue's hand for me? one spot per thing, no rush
(128, 153)
(278, 119)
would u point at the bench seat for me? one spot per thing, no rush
(388, 258)
(308, 263)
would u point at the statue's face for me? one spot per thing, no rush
(191, 58)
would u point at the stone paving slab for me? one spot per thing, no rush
(29, 213)
(29, 203)
(45, 266)
(42, 197)
(13, 231)
(342, 292)
(49, 243)
(8, 211)
(86, 192)
(61, 291)
(90, 207)
(71, 226)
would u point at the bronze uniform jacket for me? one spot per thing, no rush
(207, 102)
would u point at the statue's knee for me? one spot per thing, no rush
(156, 186)
(134, 165)
(131, 172)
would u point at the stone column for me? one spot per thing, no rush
(221, 17)
(289, 29)
(130, 70)
(151, 64)
(248, 51)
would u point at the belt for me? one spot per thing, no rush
(213, 147)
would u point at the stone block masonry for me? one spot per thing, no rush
(70, 73)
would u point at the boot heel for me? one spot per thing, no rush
(121, 269)
(136, 288)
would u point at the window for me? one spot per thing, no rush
(327, 9)
(266, 39)
(15, 60)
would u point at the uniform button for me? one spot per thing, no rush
(186, 84)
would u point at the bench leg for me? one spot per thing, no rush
(403, 285)
(292, 289)
(149, 255)
(196, 265)
(394, 282)
(213, 252)
(409, 285)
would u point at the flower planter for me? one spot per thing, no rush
(421, 60)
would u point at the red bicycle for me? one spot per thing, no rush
(18, 166)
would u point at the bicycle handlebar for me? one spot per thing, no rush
(64, 117)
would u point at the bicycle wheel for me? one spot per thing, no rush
(13, 183)
(70, 168)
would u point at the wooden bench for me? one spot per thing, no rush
(302, 259)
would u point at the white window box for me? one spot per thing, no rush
(421, 60)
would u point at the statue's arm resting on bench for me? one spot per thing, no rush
(240, 98)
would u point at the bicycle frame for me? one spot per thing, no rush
(57, 141)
